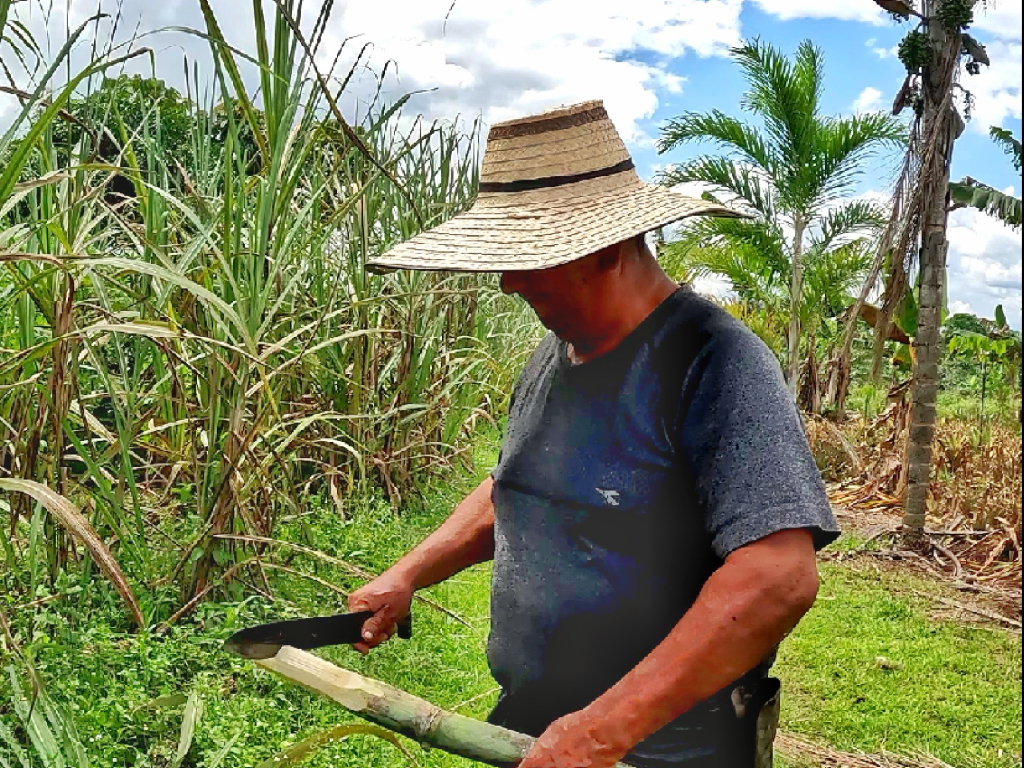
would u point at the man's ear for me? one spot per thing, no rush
(610, 257)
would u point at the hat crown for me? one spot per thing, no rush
(554, 188)
(554, 149)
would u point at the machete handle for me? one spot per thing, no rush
(405, 627)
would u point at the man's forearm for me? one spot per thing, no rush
(464, 539)
(743, 612)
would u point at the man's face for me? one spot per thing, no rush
(566, 298)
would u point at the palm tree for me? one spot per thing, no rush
(752, 255)
(793, 176)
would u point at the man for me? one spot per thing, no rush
(655, 510)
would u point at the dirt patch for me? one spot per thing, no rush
(866, 524)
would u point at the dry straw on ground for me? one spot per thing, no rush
(975, 503)
(807, 752)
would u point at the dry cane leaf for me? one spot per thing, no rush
(75, 522)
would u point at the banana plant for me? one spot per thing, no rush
(971, 193)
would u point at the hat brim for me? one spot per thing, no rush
(541, 234)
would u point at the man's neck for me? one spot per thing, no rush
(636, 301)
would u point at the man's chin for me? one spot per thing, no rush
(554, 328)
(554, 325)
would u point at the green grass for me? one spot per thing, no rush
(955, 691)
(109, 680)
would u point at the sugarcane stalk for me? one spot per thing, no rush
(402, 712)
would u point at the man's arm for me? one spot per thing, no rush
(464, 539)
(743, 612)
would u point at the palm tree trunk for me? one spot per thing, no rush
(795, 295)
(809, 396)
(939, 126)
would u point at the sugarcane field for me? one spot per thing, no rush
(532, 384)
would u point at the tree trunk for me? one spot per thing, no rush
(796, 293)
(984, 387)
(940, 128)
(809, 397)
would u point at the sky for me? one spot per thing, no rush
(649, 60)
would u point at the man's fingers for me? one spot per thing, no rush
(357, 602)
(367, 645)
(372, 627)
(377, 629)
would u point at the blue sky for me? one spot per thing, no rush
(852, 66)
(647, 59)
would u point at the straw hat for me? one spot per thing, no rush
(554, 187)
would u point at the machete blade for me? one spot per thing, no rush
(265, 640)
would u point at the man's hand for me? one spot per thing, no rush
(389, 596)
(575, 741)
(464, 539)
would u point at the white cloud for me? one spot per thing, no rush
(883, 53)
(1001, 18)
(959, 307)
(498, 60)
(847, 10)
(518, 57)
(984, 265)
(996, 90)
(870, 100)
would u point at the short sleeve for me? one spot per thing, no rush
(744, 441)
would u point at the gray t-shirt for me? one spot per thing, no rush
(623, 482)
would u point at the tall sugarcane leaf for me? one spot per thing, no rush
(16, 161)
(78, 526)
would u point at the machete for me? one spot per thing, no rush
(265, 640)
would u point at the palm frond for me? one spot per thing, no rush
(763, 236)
(785, 94)
(750, 253)
(747, 183)
(844, 143)
(730, 134)
(855, 218)
(832, 275)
